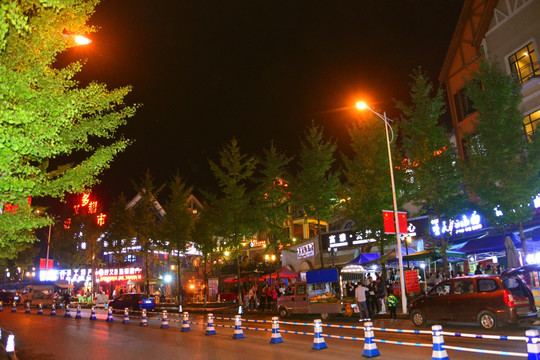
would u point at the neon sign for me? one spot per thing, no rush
(460, 225)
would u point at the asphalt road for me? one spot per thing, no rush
(46, 337)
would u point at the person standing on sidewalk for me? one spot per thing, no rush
(360, 295)
(391, 303)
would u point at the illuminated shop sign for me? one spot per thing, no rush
(121, 274)
(343, 239)
(305, 251)
(83, 275)
(460, 225)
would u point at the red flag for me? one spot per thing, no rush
(388, 219)
(403, 224)
(43, 264)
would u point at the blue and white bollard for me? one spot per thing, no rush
(276, 336)
(27, 311)
(109, 316)
(144, 320)
(40, 309)
(78, 313)
(1, 306)
(238, 333)
(318, 340)
(93, 314)
(67, 314)
(210, 326)
(53, 310)
(180, 309)
(240, 310)
(533, 344)
(185, 322)
(370, 348)
(439, 352)
(126, 316)
(61, 305)
(14, 307)
(164, 320)
(10, 346)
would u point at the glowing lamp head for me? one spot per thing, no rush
(167, 278)
(81, 40)
(360, 105)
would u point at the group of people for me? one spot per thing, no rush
(373, 297)
(262, 298)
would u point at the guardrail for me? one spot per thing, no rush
(532, 337)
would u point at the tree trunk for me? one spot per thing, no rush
(179, 289)
(205, 279)
(523, 242)
(444, 245)
(320, 243)
(147, 265)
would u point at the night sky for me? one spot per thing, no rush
(207, 71)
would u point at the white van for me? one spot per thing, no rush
(38, 294)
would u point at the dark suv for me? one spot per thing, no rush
(490, 300)
(133, 301)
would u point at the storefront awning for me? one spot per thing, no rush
(492, 243)
(363, 258)
(434, 255)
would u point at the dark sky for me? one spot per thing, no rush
(256, 70)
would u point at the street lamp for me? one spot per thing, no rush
(363, 106)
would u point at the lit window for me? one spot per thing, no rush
(524, 64)
(530, 122)
(83, 245)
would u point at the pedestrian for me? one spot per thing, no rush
(360, 295)
(375, 307)
(391, 303)
(489, 270)
(478, 270)
(349, 289)
(67, 298)
(381, 294)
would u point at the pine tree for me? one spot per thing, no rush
(368, 189)
(234, 206)
(272, 200)
(433, 171)
(315, 186)
(502, 163)
(56, 135)
(178, 224)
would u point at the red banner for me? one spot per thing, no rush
(388, 219)
(43, 264)
(411, 281)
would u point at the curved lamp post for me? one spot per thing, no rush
(363, 106)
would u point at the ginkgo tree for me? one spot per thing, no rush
(56, 136)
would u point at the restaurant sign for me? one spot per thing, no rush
(305, 251)
(343, 239)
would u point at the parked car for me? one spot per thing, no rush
(490, 300)
(6, 297)
(133, 301)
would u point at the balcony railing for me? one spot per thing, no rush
(527, 72)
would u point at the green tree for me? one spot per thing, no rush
(433, 172)
(368, 188)
(502, 163)
(315, 185)
(140, 226)
(272, 200)
(178, 224)
(205, 239)
(236, 218)
(56, 136)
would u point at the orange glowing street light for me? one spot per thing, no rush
(81, 40)
(360, 105)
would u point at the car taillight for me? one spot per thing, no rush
(508, 298)
(140, 301)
